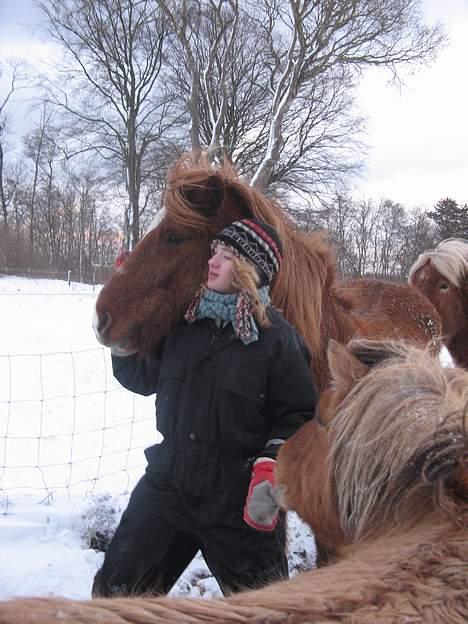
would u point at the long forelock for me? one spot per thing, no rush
(383, 432)
(186, 174)
(449, 258)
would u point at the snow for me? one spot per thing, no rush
(71, 446)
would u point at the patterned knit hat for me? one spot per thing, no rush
(258, 242)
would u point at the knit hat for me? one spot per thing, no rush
(258, 242)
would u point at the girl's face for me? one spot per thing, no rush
(221, 270)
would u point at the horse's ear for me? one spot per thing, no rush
(216, 193)
(206, 198)
(217, 200)
(346, 370)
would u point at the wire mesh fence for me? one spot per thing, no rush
(66, 426)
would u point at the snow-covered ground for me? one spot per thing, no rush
(71, 442)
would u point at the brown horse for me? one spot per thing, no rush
(391, 488)
(151, 291)
(442, 275)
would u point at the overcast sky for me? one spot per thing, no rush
(418, 133)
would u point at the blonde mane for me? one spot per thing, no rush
(449, 258)
(416, 412)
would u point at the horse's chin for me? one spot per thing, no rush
(120, 348)
(122, 352)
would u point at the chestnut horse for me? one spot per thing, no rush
(391, 487)
(150, 292)
(442, 275)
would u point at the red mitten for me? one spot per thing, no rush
(261, 509)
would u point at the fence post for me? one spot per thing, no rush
(69, 277)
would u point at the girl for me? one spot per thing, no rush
(232, 382)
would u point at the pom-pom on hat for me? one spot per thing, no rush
(258, 242)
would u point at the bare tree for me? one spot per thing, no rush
(420, 235)
(380, 240)
(34, 144)
(113, 84)
(337, 223)
(218, 75)
(231, 57)
(329, 36)
(16, 80)
(362, 226)
(271, 82)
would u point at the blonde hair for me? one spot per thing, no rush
(400, 436)
(246, 277)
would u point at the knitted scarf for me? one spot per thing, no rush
(236, 308)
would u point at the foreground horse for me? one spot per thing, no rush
(151, 291)
(392, 487)
(442, 275)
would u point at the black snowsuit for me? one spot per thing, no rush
(218, 404)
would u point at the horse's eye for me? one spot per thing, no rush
(174, 239)
(444, 286)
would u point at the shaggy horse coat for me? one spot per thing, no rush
(392, 488)
(442, 275)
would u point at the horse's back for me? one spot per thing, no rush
(391, 310)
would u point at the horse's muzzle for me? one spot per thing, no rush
(102, 322)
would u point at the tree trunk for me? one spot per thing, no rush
(132, 182)
(33, 194)
(2, 193)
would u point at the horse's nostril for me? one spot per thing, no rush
(104, 323)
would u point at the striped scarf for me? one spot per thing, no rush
(236, 308)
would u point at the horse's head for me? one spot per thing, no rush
(389, 446)
(442, 276)
(150, 292)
